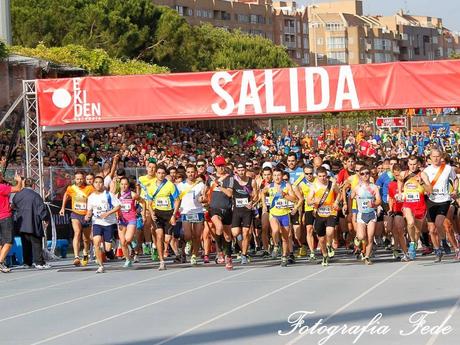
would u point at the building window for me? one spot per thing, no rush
(243, 18)
(435, 39)
(204, 13)
(336, 43)
(378, 44)
(336, 58)
(190, 12)
(334, 27)
(379, 57)
(253, 18)
(180, 10)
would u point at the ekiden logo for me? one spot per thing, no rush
(83, 110)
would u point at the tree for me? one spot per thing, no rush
(3, 50)
(95, 61)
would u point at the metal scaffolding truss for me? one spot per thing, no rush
(33, 136)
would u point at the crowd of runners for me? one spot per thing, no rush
(224, 208)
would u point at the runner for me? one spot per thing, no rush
(295, 177)
(219, 192)
(395, 205)
(163, 201)
(324, 197)
(244, 199)
(267, 175)
(414, 185)
(79, 193)
(145, 188)
(367, 198)
(439, 199)
(309, 218)
(191, 209)
(102, 207)
(127, 218)
(280, 193)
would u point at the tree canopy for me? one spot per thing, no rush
(3, 50)
(139, 29)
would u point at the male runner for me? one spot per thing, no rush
(439, 199)
(309, 218)
(79, 193)
(244, 199)
(164, 200)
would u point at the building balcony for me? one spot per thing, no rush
(289, 30)
(290, 44)
(396, 50)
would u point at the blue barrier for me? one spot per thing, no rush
(62, 245)
(14, 256)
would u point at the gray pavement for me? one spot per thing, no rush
(250, 305)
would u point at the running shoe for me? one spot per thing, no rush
(228, 263)
(206, 259)
(220, 259)
(395, 254)
(325, 261)
(244, 259)
(356, 242)
(162, 266)
(405, 258)
(438, 253)
(238, 256)
(100, 269)
(265, 254)
(85, 260)
(457, 254)
(188, 248)
(275, 252)
(155, 256)
(427, 251)
(446, 247)
(284, 261)
(110, 255)
(193, 260)
(42, 267)
(127, 264)
(146, 250)
(367, 261)
(330, 251)
(136, 258)
(4, 268)
(411, 251)
(76, 261)
(291, 259)
(312, 257)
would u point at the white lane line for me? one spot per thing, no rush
(240, 307)
(46, 287)
(295, 340)
(452, 311)
(88, 296)
(139, 308)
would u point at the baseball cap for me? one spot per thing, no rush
(219, 161)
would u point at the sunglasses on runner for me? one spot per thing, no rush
(364, 173)
(200, 165)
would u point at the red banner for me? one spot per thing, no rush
(103, 101)
(389, 122)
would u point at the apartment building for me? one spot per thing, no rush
(253, 17)
(420, 37)
(348, 38)
(290, 29)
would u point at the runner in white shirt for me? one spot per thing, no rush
(439, 200)
(102, 207)
(191, 209)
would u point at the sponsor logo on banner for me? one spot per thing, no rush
(388, 122)
(83, 110)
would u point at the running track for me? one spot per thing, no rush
(208, 305)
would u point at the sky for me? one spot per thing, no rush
(448, 10)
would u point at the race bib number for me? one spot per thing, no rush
(412, 197)
(192, 217)
(324, 211)
(162, 202)
(125, 207)
(80, 206)
(282, 203)
(241, 202)
(439, 191)
(365, 205)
